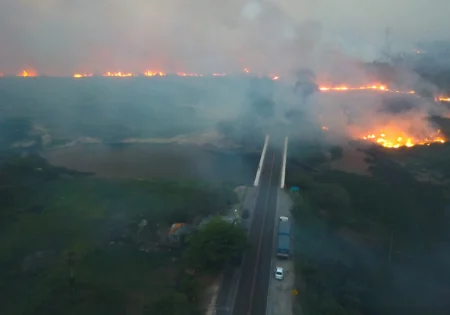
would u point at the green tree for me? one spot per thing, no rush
(215, 243)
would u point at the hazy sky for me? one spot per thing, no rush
(66, 36)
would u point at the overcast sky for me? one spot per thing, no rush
(66, 36)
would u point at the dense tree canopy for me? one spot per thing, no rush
(215, 243)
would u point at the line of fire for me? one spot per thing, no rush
(148, 73)
(385, 138)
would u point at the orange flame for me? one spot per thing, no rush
(150, 73)
(397, 140)
(82, 75)
(443, 99)
(118, 74)
(375, 87)
(183, 74)
(27, 73)
(147, 73)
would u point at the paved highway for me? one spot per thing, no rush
(251, 297)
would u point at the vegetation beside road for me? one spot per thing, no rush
(214, 244)
(109, 234)
(372, 244)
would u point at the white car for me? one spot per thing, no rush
(279, 273)
(282, 218)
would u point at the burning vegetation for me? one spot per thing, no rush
(374, 87)
(147, 73)
(82, 75)
(443, 99)
(394, 139)
(27, 73)
(401, 139)
(384, 137)
(391, 136)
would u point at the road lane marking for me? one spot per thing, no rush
(283, 167)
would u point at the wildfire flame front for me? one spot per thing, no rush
(390, 140)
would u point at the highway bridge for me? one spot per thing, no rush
(251, 297)
(244, 289)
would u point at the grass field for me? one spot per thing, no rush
(50, 214)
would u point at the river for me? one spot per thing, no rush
(149, 161)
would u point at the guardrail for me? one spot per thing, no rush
(283, 167)
(261, 162)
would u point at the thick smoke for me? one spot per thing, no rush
(63, 37)
(60, 37)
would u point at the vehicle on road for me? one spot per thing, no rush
(284, 238)
(284, 246)
(284, 226)
(279, 273)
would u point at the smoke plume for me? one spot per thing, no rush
(63, 37)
